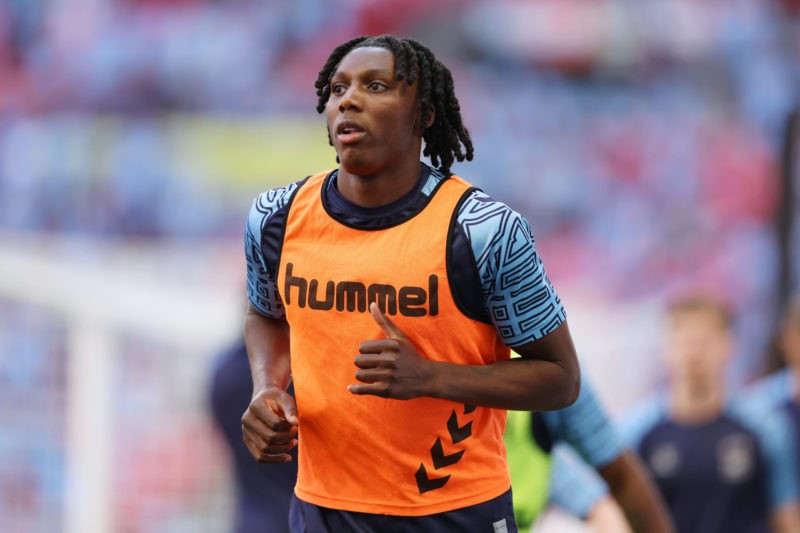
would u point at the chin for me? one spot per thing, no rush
(356, 167)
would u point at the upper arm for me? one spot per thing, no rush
(518, 297)
(555, 347)
(262, 239)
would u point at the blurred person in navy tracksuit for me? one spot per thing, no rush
(263, 491)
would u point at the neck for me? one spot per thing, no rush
(372, 190)
(697, 403)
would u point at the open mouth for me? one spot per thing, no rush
(349, 133)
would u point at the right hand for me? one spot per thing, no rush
(269, 426)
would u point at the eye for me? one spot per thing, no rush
(376, 86)
(338, 89)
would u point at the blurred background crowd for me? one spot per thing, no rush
(645, 142)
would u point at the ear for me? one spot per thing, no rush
(431, 117)
(429, 120)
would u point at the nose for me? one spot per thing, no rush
(350, 99)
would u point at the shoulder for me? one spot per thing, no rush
(488, 222)
(264, 229)
(770, 391)
(269, 202)
(765, 421)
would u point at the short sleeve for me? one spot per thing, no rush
(585, 426)
(519, 298)
(262, 238)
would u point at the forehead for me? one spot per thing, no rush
(705, 319)
(366, 59)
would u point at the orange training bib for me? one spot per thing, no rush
(364, 453)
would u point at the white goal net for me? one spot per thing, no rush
(105, 357)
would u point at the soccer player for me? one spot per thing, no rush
(789, 343)
(585, 428)
(720, 465)
(779, 390)
(389, 291)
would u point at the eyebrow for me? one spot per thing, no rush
(367, 73)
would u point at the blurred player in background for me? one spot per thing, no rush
(586, 429)
(779, 389)
(721, 465)
(263, 492)
(789, 345)
(389, 291)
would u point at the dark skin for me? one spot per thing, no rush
(636, 494)
(375, 125)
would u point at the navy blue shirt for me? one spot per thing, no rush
(725, 475)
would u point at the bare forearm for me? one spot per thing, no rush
(637, 495)
(267, 343)
(516, 384)
(545, 377)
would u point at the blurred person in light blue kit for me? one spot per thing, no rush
(606, 477)
(779, 389)
(721, 465)
(789, 345)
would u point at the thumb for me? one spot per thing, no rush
(289, 408)
(387, 326)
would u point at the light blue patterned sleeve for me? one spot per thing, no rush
(585, 426)
(519, 297)
(574, 485)
(262, 290)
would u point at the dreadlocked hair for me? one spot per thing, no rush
(415, 63)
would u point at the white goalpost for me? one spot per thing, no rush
(101, 292)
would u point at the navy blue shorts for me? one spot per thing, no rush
(493, 516)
